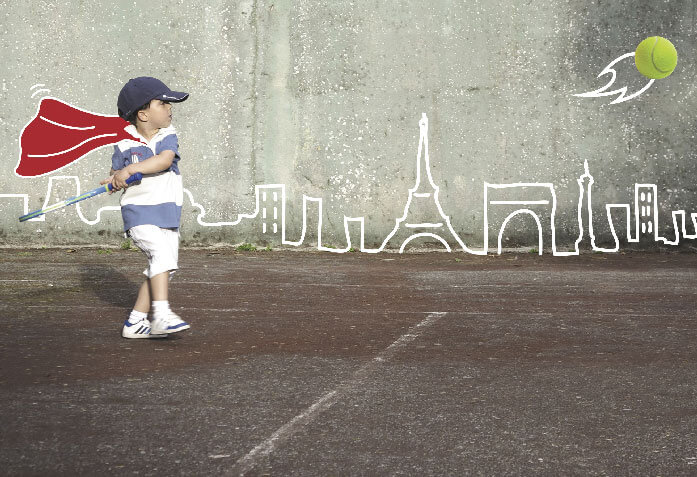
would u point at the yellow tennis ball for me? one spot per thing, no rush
(655, 57)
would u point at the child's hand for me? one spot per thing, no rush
(118, 180)
(108, 181)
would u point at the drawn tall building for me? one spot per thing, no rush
(423, 202)
(271, 205)
(646, 210)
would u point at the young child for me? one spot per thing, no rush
(151, 209)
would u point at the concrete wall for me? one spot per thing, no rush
(326, 98)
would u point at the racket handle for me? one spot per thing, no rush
(134, 178)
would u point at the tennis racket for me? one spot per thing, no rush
(59, 205)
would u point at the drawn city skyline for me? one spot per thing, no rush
(537, 200)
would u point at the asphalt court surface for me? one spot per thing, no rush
(305, 363)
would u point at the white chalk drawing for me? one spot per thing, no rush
(25, 203)
(39, 91)
(48, 201)
(598, 93)
(530, 195)
(423, 196)
(502, 203)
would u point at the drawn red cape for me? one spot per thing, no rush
(60, 134)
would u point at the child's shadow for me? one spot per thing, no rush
(109, 286)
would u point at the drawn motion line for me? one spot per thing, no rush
(598, 93)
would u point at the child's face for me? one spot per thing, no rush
(159, 113)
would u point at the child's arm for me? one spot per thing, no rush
(151, 165)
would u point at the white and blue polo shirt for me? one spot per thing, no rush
(158, 199)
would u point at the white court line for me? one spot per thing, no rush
(248, 462)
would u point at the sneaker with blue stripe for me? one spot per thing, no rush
(169, 323)
(140, 329)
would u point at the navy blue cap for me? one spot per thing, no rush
(140, 91)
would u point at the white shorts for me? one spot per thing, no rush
(161, 246)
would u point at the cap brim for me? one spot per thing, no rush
(173, 96)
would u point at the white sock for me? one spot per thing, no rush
(160, 308)
(136, 316)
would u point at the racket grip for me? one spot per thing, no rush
(134, 178)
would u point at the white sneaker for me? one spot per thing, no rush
(169, 323)
(141, 329)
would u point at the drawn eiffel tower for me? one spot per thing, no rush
(423, 202)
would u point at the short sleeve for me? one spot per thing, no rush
(169, 143)
(118, 159)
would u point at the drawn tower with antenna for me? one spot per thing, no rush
(586, 237)
(423, 203)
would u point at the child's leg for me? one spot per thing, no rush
(143, 301)
(161, 246)
(137, 324)
(164, 320)
(159, 290)
(159, 285)
(152, 289)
